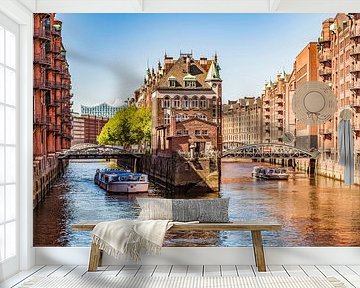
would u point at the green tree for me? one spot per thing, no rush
(130, 125)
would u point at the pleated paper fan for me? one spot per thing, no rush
(314, 103)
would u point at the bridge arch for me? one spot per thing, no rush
(93, 151)
(269, 151)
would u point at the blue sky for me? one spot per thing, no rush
(108, 53)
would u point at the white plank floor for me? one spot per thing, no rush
(350, 275)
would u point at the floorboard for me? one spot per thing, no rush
(245, 271)
(178, 270)
(62, 271)
(349, 275)
(212, 271)
(20, 277)
(195, 271)
(294, 271)
(329, 271)
(229, 270)
(129, 270)
(162, 271)
(278, 270)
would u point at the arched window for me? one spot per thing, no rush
(201, 116)
(194, 102)
(177, 101)
(203, 102)
(185, 102)
(178, 117)
(166, 102)
(167, 118)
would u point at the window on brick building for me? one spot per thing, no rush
(177, 101)
(178, 117)
(185, 102)
(197, 132)
(167, 118)
(179, 132)
(185, 117)
(203, 102)
(201, 116)
(185, 132)
(204, 132)
(172, 82)
(194, 102)
(190, 83)
(166, 103)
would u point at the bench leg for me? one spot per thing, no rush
(95, 257)
(258, 250)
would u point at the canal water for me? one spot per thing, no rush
(314, 211)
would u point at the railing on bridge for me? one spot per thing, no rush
(269, 151)
(93, 151)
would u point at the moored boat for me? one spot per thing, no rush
(121, 181)
(274, 173)
(256, 171)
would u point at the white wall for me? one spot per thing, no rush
(20, 12)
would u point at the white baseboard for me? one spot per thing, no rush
(210, 256)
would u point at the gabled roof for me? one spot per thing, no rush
(182, 70)
(213, 73)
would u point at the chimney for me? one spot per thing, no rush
(188, 60)
(203, 61)
(168, 63)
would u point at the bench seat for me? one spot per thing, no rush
(254, 227)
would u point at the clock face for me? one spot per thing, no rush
(214, 85)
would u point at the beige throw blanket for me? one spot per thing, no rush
(130, 237)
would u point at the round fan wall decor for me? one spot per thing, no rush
(314, 103)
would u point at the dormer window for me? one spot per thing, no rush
(172, 81)
(189, 81)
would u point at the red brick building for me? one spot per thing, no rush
(52, 99)
(185, 97)
(92, 127)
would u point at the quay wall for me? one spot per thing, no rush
(46, 170)
(176, 173)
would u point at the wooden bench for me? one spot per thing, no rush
(255, 228)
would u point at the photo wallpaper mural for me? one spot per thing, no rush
(198, 106)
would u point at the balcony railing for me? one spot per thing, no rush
(57, 85)
(56, 48)
(54, 128)
(42, 58)
(355, 32)
(323, 40)
(57, 67)
(56, 32)
(355, 50)
(42, 84)
(355, 68)
(355, 85)
(325, 57)
(66, 86)
(60, 57)
(42, 33)
(326, 71)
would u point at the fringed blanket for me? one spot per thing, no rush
(131, 237)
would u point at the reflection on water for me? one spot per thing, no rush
(314, 211)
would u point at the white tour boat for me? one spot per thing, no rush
(120, 181)
(274, 173)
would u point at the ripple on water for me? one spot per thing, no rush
(315, 212)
